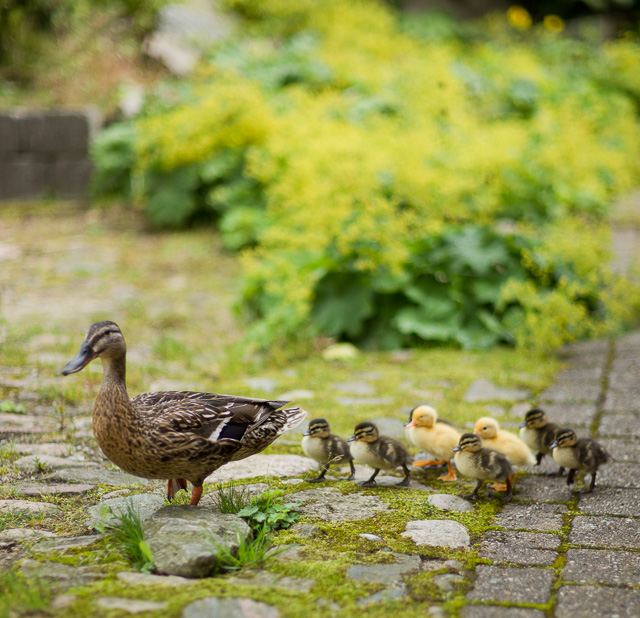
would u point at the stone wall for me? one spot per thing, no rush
(45, 153)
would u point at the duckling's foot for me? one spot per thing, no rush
(450, 475)
(499, 487)
(368, 484)
(317, 479)
(428, 462)
(472, 496)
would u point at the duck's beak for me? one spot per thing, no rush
(80, 360)
(456, 449)
(307, 433)
(351, 438)
(554, 444)
(410, 424)
(521, 425)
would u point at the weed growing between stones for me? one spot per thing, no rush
(230, 497)
(28, 595)
(251, 553)
(269, 511)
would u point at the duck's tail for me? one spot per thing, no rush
(294, 416)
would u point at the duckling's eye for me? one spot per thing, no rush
(484, 429)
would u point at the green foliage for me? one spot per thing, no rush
(21, 596)
(399, 183)
(269, 511)
(9, 406)
(113, 153)
(251, 552)
(230, 498)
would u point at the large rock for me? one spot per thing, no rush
(187, 540)
(438, 533)
(96, 477)
(329, 504)
(110, 512)
(263, 465)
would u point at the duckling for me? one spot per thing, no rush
(473, 460)
(372, 449)
(584, 454)
(425, 431)
(326, 448)
(538, 434)
(504, 442)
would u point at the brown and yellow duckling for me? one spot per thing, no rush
(538, 434)
(483, 464)
(177, 435)
(326, 448)
(583, 454)
(428, 433)
(379, 452)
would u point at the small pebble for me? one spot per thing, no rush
(370, 537)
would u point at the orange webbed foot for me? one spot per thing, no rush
(428, 462)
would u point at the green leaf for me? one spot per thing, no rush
(419, 321)
(172, 197)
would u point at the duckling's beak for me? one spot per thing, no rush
(351, 438)
(307, 433)
(456, 449)
(554, 444)
(80, 360)
(521, 425)
(410, 424)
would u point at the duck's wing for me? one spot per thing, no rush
(206, 414)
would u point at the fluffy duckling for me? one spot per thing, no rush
(538, 434)
(326, 448)
(584, 454)
(504, 442)
(426, 432)
(483, 464)
(379, 452)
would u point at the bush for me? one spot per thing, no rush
(392, 185)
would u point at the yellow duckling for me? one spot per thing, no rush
(426, 432)
(378, 452)
(504, 442)
(584, 454)
(483, 464)
(538, 434)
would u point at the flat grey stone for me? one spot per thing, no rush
(96, 477)
(109, 512)
(28, 507)
(34, 490)
(448, 581)
(622, 449)
(580, 351)
(449, 502)
(263, 465)
(25, 534)
(609, 532)
(63, 544)
(383, 595)
(582, 375)
(596, 602)
(569, 392)
(437, 533)
(528, 548)
(268, 385)
(498, 611)
(25, 424)
(135, 578)
(129, 606)
(329, 504)
(306, 531)
(194, 551)
(353, 388)
(54, 449)
(602, 566)
(539, 516)
(485, 390)
(388, 573)
(618, 475)
(265, 579)
(385, 480)
(213, 607)
(285, 553)
(542, 489)
(392, 427)
(623, 424)
(58, 575)
(623, 401)
(297, 395)
(363, 401)
(370, 537)
(518, 410)
(609, 501)
(512, 584)
(571, 414)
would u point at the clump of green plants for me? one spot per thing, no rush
(394, 183)
(230, 497)
(7, 406)
(21, 596)
(270, 512)
(251, 552)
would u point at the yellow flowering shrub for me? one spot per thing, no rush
(393, 184)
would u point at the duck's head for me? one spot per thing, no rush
(318, 428)
(534, 419)
(423, 416)
(364, 432)
(469, 442)
(564, 437)
(103, 339)
(486, 427)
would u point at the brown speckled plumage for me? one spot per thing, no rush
(173, 435)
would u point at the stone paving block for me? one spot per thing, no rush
(22, 178)
(602, 566)
(569, 392)
(512, 584)
(609, 501)
(581, 375)
(9, 133)
(605, 532)
(623, 401)
(622, 450)
(582, 350)
(623, 379)
(56, 131)
(531, 516)
(618, 475)
(623, 424)
(541, 489)
(596, 602)
(498, 611)
(528, 548)
(571, 414)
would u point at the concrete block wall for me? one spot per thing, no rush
(45, 153)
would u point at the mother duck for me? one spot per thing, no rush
(177, 435)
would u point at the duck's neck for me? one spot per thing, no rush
(114, 376)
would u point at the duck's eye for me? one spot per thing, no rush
(484, 429)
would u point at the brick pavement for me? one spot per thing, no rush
(568, 554)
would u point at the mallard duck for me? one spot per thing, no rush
(483, 464)
(584, 454)
(426, 432)
(326, 448)
(177, 435)
(378, 452)
(504, 442)
(538, 434)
